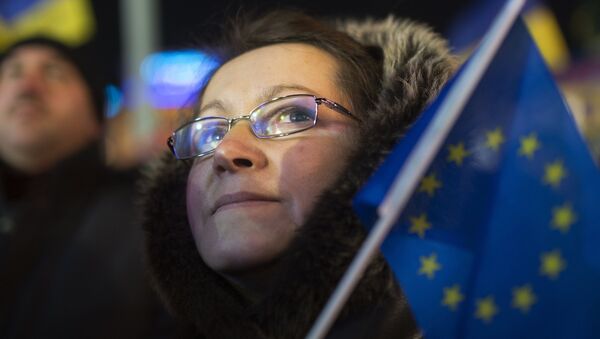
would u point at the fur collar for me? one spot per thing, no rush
(416, 64)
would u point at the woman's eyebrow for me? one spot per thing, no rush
(214, 104)
(267, 94)
(275, 91)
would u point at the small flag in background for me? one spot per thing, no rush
(69, 21)
(500, 238)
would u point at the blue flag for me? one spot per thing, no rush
(501, 238)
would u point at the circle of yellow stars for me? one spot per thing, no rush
(552, 264)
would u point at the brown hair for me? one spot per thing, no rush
(360, 73)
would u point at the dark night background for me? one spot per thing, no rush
(136, 134)
(183, 20)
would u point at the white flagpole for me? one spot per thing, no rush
(417, 163)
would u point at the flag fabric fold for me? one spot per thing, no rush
(500, 237)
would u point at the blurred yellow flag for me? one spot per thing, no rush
(544, 28)
(69, 21)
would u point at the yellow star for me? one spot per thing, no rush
(494, 139)
(563, 218)
(529, 145)
(429, 184)
(552, 264)
(452, 297)
(554, 173)
(429, 265)
(457, 153)
(419, 225)
(523, 298)
(486, 309)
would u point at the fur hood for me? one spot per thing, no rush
(416, 65)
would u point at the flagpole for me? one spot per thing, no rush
(417, 163)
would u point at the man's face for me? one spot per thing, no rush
(46, 112)
(246, 201)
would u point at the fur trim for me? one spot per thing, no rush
(416, 64)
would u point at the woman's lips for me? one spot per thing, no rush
(241, 198)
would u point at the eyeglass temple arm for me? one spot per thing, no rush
(336, 107)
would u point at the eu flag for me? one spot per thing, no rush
(501, 237)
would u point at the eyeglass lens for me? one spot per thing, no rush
(274, 118)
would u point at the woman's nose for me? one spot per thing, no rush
(239, 150)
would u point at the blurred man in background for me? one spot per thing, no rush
(70, 263)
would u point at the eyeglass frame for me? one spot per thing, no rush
(231, 121)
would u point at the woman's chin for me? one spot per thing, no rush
(242, 257)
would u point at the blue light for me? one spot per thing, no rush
(114, 101)
(173, 77)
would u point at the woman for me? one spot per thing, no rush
(250, 235)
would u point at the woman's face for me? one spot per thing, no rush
(247, 200)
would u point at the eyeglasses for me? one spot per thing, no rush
(277, 117)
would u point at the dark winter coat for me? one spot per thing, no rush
(416, 64)
(71, 264)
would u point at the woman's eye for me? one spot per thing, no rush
(299, 117)
(294, 115)
(210, 138)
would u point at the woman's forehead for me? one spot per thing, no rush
(275, 68)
